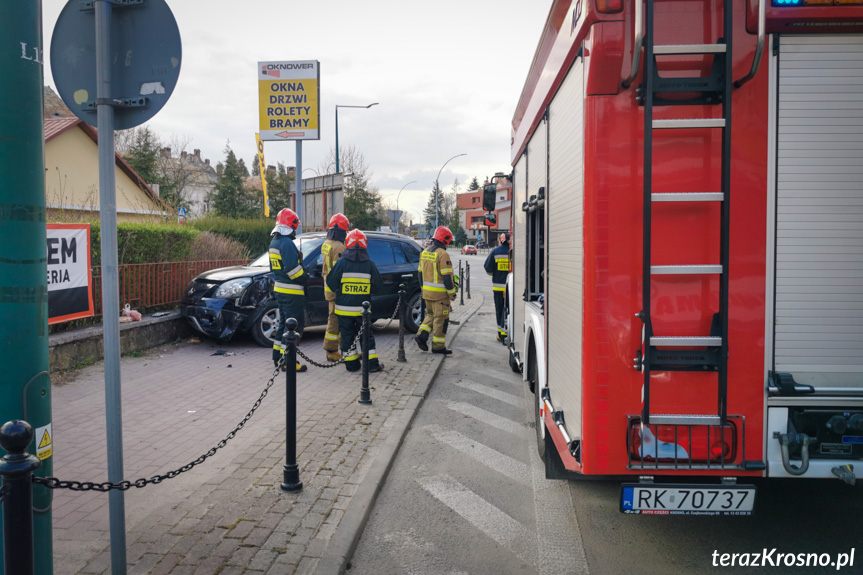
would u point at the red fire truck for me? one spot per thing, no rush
(686, 299)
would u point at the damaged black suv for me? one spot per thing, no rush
(221, 302)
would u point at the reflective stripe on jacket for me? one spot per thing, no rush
(288, 272)
(498, 266)
(436, 273)
(331, 250)
(353, 282)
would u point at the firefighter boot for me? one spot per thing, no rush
(443, 350)
(422, 338)
(300, 367)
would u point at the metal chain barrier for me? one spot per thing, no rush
(54, 483)
(330, 364)
(389, 321)
(3, 492)
(355, 342)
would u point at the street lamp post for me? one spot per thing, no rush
(397, 200)
(437, 188)
(337, 128)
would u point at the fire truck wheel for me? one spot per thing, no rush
(540, 424)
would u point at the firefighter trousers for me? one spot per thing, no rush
(290, 306)
(349, 327)
(331, 337)
(435, 323)
(500, 313)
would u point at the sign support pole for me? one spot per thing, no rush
(110, 284)
(25, 389)
(299, 179)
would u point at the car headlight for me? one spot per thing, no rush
(232, 289)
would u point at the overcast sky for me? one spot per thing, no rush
(447, 75)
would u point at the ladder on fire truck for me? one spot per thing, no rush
(677, 353)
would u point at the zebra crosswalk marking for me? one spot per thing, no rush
(490, 392)
(503, 529)
(486, 417)
(503, 464)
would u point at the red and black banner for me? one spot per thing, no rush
(70, 283)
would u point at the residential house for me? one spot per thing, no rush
(473, 215)
(193, 177)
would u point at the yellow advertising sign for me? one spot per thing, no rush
(289, 100)
(262, 167)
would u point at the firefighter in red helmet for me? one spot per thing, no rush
(355, 279)
(286, 263)
(439, 289)
(332, 250)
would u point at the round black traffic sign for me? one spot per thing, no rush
(145, 59)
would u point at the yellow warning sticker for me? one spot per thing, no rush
(44, 448)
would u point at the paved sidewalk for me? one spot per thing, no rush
(229, 515)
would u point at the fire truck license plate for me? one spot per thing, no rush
(677, 499)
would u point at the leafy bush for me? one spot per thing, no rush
(225, 238)
(254, 234)
(139, 243)
(148, 243)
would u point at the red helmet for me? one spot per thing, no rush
(443, 235)
(356, 238)
(288, 217)
(340, 221)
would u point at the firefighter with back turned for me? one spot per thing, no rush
(332, 250)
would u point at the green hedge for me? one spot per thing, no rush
(142, 243)
(254, 234)
(145, 243)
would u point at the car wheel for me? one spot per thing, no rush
(412, 315)
(264, 330)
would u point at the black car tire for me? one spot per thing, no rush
(411, 314)
(266, 325)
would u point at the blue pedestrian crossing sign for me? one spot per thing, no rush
(181, 214)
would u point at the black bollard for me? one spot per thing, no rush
(404, 315)
(461, 278)
(467, 283)
(365, 395)
(291, 473)
(16, 469)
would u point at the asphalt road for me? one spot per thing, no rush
(467, 494)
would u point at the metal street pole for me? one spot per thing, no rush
(299, 186)
(437, 189)
(337, 128)
(110, 285)
(397, 200)
(25, 389)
